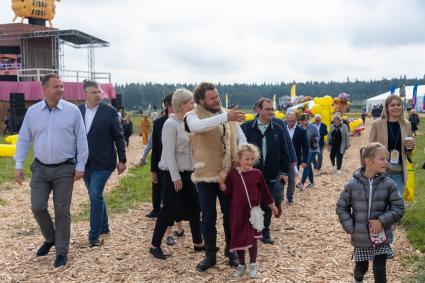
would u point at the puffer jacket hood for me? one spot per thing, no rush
(352, 206)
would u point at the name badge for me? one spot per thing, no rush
(395, 156)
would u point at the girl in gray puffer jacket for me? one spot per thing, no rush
(370, 202)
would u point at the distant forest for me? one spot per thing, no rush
(140, 95)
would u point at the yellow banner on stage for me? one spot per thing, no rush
(294, 90)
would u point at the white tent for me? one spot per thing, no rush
(380, 99)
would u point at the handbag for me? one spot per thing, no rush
(256, 217)
(380, 238)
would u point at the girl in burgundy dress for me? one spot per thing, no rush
(243, 235)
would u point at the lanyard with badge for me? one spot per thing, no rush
(394, 154)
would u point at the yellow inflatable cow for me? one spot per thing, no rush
(37, 9)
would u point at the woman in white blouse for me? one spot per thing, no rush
(178, 188)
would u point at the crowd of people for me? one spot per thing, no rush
(202, 152)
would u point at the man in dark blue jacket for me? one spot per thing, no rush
(105, 139)
(274, 160)
(323, 131)
(300, 142)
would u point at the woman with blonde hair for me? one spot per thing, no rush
(391, 131)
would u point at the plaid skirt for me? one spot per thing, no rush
(366, 254)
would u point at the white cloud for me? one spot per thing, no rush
(247, 41)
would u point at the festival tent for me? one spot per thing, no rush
(380, 99)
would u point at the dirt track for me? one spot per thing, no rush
(310, 245)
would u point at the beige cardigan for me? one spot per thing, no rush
(379, 133)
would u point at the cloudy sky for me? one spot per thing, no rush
(247, 40)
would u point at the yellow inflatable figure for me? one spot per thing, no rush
(37, 9)
(11, 139)
(249, 117)
(7, 150)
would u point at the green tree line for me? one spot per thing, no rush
(140, 95)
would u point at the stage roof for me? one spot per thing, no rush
(75, 38)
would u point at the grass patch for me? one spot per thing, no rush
(3, 202)
(413, 219)
(133, 189)
(7, 165)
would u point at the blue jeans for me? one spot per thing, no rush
(208, 193)
(317, 163)
(308, 171)
(290, 187)
(399, 180)
(95, 181)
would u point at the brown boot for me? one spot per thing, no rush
(279, 209)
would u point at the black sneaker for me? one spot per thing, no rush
(198, 249)
(157, 253)
(44, 249)
(152, 214)
(267, 240)
(206, 263)
(60, 260)
(177, 234)
(170, 241)
(233, 259)
(105, 232)
(95, 242)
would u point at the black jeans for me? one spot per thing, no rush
(156, 192)
(208, 193)
(268, 211)
(336, 154)
(379, 269)
(186, 198)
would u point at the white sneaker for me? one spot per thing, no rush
(333, 169)
(240, 271)
(252, 270)
(339, 172)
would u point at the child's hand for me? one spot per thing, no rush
(273, 207)
(222, 176)
(375, 226)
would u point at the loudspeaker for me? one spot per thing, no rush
(16, 118)
(17, 100)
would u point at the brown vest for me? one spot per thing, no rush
(213, 150)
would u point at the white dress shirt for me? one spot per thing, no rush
(89, 116)
(291, 132)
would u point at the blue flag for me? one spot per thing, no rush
(414, 96)
(423, 103)
(392, 89)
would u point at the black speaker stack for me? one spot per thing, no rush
(17, 110)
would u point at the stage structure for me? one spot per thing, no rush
(29, 51)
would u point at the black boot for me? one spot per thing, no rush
(210, 253)
(209, 260)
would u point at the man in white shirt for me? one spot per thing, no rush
(216, 135)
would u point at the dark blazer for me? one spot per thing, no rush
(158, 124)
(105, 138)
(323, 131)
(277, 158)
(300, 142)
(292, 154)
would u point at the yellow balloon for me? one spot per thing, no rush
(327, 100)
(279, 115)
(249, 117)
(332, 109)
(316, 100)
(316, 109)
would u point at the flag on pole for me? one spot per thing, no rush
(227, 101)
(294, 90)
(392, 89)
(274, 101)
(414, 96)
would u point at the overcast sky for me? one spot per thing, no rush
(245, 40)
